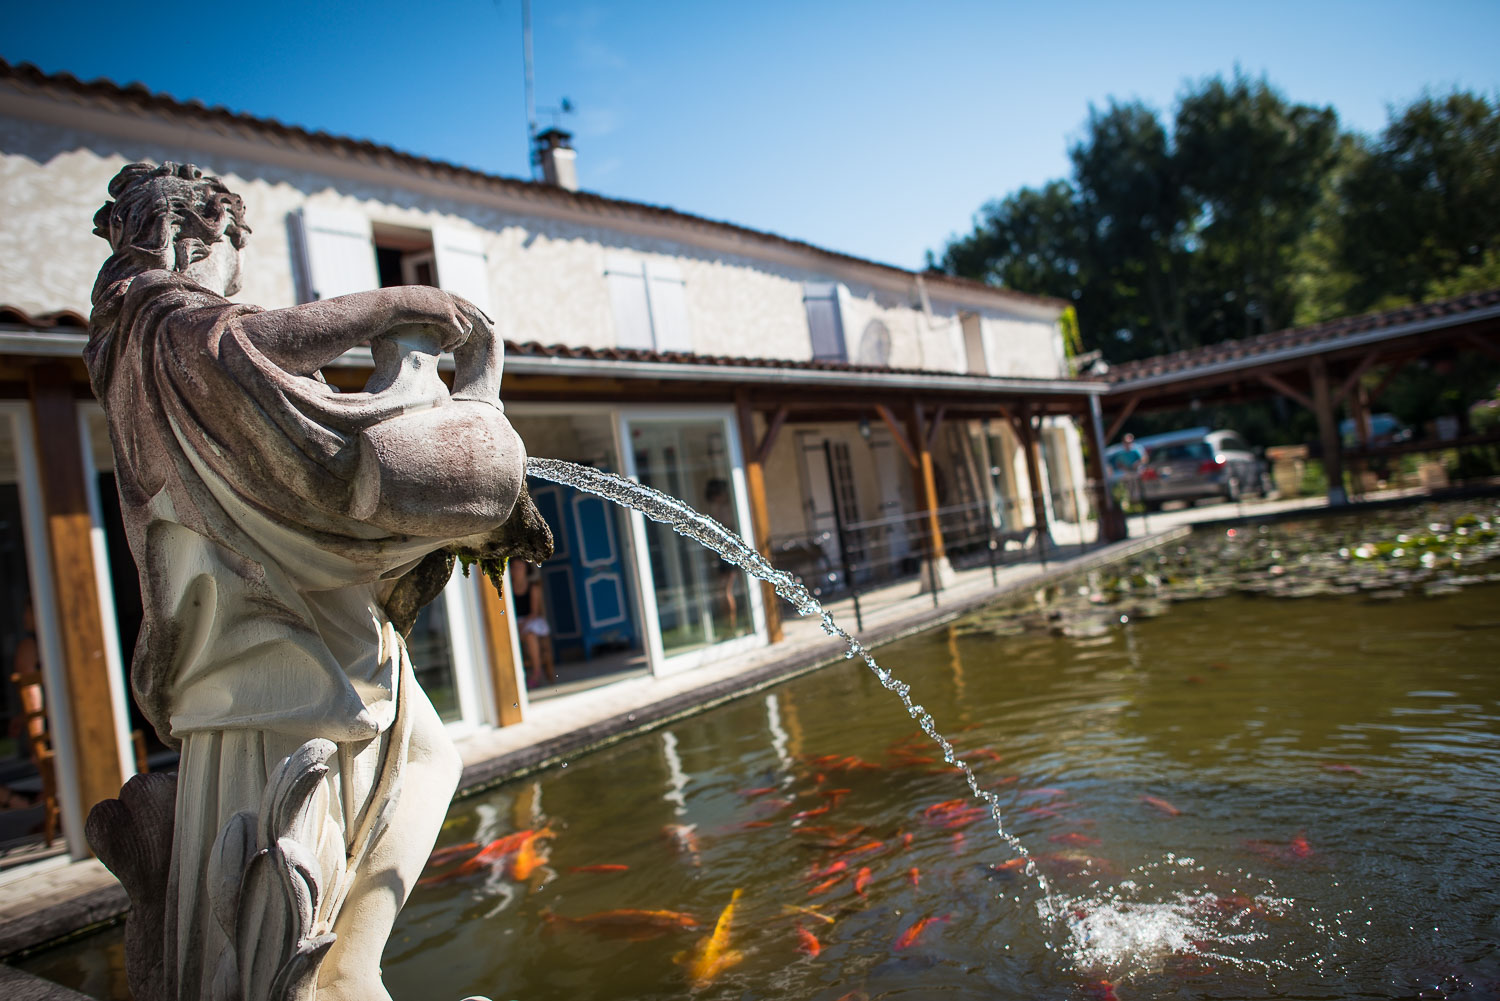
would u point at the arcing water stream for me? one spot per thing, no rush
(731, 547)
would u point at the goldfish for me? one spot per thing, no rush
(906, 839)
(862, 880)
(1194, 679)
(1299, 847)
(815, 812)
(629, 923)
(835, 795)
(914, 759)
(965, 817)
(752, 793)
(988, 753)
(443, 856)
(601, 867)
(1102, 990)
(1338, 766)
(809, 912)
(1162, 805)
(958, 843)
(826, 884)
(1073, 838)
(908, 938)
(684, 837)
(821, 830)
(1043, 791)
(487, 857)
(712, 956)
(1010, 865)
(527, 858)
(1007, 780)
(808, 942)
(914, 875)
(1041, 811)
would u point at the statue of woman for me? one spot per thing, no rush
(285, 534)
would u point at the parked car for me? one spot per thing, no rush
(1201, 463)
(1385, 429)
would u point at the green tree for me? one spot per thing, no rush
(1421, 206)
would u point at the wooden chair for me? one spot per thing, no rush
(34, 710)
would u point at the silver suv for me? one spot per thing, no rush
(1200, 463)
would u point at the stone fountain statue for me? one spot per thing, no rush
(287, 535)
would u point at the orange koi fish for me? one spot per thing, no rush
(527, 858)
(958, 843)
(1010, 865)
(1102, 990)
(1043, 791)
(826, 884)
(1299, 847)
(1007, 780)
(490, 855)
(988, 753)
(835, 795)
(964, 818)
(945, 807)
(914, 875)
(1073, 838)
(906, 839)
(751, 825)
(815, 812)
(862, 880)
(864, 849)
(808, 942)
(1162, 805)
(752, 793)
(685, 839)
(908, 938)
(712, 956)
(1339, 766)
(443, 856)
(629, 923)
(817, 873)
(601, 867)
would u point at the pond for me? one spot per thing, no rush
(1259, 764)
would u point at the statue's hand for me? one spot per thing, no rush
(455, 319)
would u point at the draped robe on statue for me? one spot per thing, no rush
(248, 494)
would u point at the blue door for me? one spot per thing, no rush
(587, 603)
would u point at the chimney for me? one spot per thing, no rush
(554, 148)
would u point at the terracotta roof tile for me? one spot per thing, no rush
(136, 96)
(14, 316)
(1329, 332)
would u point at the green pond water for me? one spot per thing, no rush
(1250, 765)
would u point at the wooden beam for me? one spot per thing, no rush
(773, 428)
(935, 426)
(926, 491)
(1030, 442)
(1328, 431)
(755, 489)
(1285, 390)
(500, 650)
(1481, 344)
(69, 529)
(1119, 422)
(898, 434)
(1354, 376)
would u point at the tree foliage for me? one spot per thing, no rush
(1248, 213)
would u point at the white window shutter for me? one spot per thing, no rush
(339, 251)
(462, 267)
(669, 317)
(627, 291)
(825, 322)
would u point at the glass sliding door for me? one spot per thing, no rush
(700, 600)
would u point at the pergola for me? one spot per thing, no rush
(1321, 367)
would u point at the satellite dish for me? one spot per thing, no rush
(875, 345)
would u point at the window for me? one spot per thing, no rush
(650, 303)
(343, 252)
(825, 321)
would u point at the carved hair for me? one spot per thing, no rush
(165, 217)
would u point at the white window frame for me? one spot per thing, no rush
(15, 417)
(661, 663)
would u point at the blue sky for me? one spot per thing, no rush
(873, 128)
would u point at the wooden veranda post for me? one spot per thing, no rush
(756, 452)
(1328, 432)
(1029, 443)
(70, 544)
(500, 652)
(926, 490)
(1111, 519)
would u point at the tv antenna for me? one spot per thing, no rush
(565, 107)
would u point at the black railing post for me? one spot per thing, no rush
(838, 527)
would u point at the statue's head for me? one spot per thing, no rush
(172, 217)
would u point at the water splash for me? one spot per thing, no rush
(731, 547)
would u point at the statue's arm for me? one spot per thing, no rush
(302, 339)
